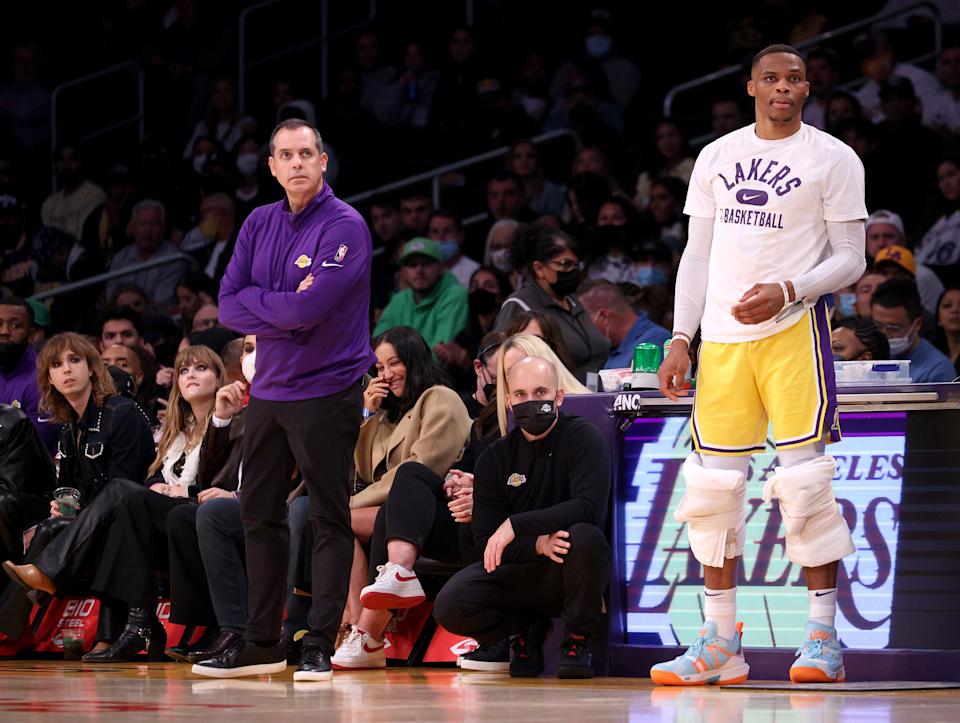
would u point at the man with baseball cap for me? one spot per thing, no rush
(885, 231)
(433, 302)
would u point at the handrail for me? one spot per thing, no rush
(109, 70)
(322, 40)
(810, 42)
(434, 174)
(114, 274)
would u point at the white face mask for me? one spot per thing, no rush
(249, 366)
(198, 162)
(500, 258)
(900, 345)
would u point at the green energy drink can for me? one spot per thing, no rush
(646, 358)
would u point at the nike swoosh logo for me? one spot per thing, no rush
(367, 649)
(327, 264)
(747, 197)
(821, 594)
(401, 578)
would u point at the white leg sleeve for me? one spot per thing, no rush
(817, 534)
(714, 506)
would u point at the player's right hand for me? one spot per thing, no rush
(674, 369)
(376, 392)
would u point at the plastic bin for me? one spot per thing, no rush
(879, 372)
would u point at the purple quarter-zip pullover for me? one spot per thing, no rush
(317, 342)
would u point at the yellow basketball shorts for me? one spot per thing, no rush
(786, 379)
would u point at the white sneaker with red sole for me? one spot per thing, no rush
(395, 587)
(359, 651)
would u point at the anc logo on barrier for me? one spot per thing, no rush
(664, 580)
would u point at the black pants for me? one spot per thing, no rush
(140, 546)
(317, 436)
(491, 606)
(67, 551)
(190, 598)
(18, 512)
(416, 511)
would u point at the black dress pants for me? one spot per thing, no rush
(190, 599)
(492, 606)
(18, 512)
(416, 511)
(140, 545)
(317, 436)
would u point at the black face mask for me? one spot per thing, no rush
(567, 282)
(489, 392)
(535, 415)
(10, 355)
(482, 302)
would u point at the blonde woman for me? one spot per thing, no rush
(516, 348)
(189, 455)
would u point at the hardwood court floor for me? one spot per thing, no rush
(31, 690)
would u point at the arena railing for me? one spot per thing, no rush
(243, 64)
(55, 100)
(842, 31)
(433, 176)
(110, 275)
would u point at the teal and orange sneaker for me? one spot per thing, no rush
(711, 660)
(820, 657)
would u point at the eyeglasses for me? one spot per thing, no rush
(564, 264)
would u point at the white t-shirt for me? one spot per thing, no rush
(770, 201)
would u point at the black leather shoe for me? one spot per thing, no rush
(179, 652)
(242, 659)
(293, 647)
(576, 660)
(314, 666)
(527, 660)
(214, 648)
(143, 632)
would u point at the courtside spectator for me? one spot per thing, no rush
(121, 325)
(879, 63)
(858, 339)
(897, 312)
(547, 256)
(434, 303)
(207, 317)
(105, 230)
(541, 326)
(884, 230)
(497, 248)
(25, 102)
(842, 107)
(864, 289)
(593, 159)
(943, 112)
(105, 449)
(211, 241)
(415, 210)
(131, 295)
(27, 481)
(190, 453)
(125, 358)
(898, 262)
(616, 233)
(148, 224)
(540, 534)
(222, 122)
(726, 116)
(17, 264)
(618, 322)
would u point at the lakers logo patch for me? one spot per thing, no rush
(303, 261)
(515, 480)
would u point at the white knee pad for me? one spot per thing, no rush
(714, 509)
(816, 531)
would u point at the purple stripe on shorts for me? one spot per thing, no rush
(831, 423)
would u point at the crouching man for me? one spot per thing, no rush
(540, 500)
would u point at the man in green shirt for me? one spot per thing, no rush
(434, 303)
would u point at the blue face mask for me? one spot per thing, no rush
(598, 46)
(847, 305)
(449, 248)
(649, 276)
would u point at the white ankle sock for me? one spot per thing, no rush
(823, 605)
(720, 606)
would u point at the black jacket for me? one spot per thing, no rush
(25, 463)
(108, 442)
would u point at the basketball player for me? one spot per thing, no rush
(776, 222)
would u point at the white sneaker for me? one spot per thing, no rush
(395, 587)
(359, 651)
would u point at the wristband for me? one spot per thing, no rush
(786, 293)
(680, 335)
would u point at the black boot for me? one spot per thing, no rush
(143, 632)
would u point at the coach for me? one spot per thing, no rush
(300, 280)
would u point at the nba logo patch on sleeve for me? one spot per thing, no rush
(341, 253)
